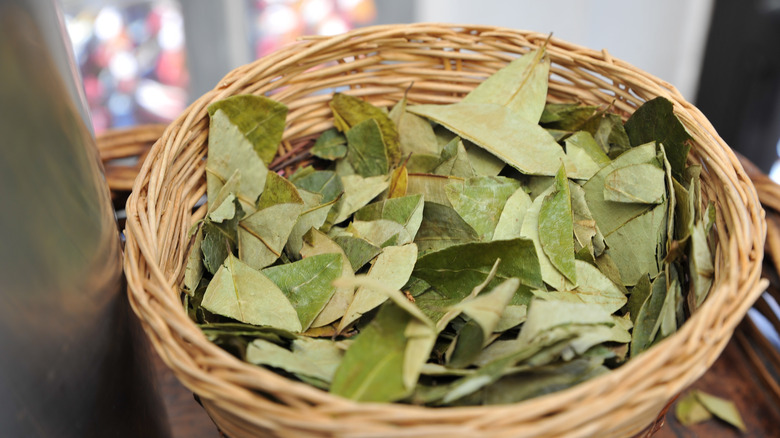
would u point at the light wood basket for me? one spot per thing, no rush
(123, 151)
(443, 62)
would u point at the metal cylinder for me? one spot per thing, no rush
(73, 361)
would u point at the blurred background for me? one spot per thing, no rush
(144, 61)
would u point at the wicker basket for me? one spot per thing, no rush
(443, 62)
(122, 152)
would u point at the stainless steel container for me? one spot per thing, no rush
(73, 362)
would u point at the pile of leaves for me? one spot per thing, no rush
(486, 251)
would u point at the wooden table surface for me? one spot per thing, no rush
(732, 376)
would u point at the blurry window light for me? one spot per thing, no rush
(127, 51)
(279, 22)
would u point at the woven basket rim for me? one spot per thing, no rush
(141, 251)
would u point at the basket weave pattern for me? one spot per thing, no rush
(123, 150)
(443, 62)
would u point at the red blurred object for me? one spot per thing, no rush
(172, 68)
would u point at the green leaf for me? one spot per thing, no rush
(611, 135)
(690, 411)
(637, 183)
(193, 272)
(433, 369)
(700, 265)
(684, 213)
(216, 246)
(442, 227)
(456, 270)
(307, 283)
(639, 294)
(611, 215)
(421, 337)
(314, 215)
(480, 201)
(510, 222)
(278, 190)
(647, 321)
(372, 367)
(566, 116)
(586, 233)
(581, 148)
(263, 235)
(487, 308)
(664, 242)
(633, 247)
(530, 230)
(668, 315)
(466, 346)
(224, 211)
(276, 335)
(694, 189)
(430, 186)
(325, 182)
(709, 216)
(483, 162)
(655, 121)
(455, 161)
(229, 151)
(453, 311)
(330, 145)
(610, 270)
(406, 210)
(535, 185)
(260, 121)
(245, 294)
(511, 317)
(593, 288)
(343, 168)
(559, 135)
(392, 269)
(381, 232)
(315, 358)
(316, 243)
(348, 111)
(556, 229)
(520, 86)
(597, 335)
(523, 145)
(724, 409)
(221, 206)
(416, 286)
(359, 251)
(358, 192)
(366, 150)
(415, 134)
(422, 163)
